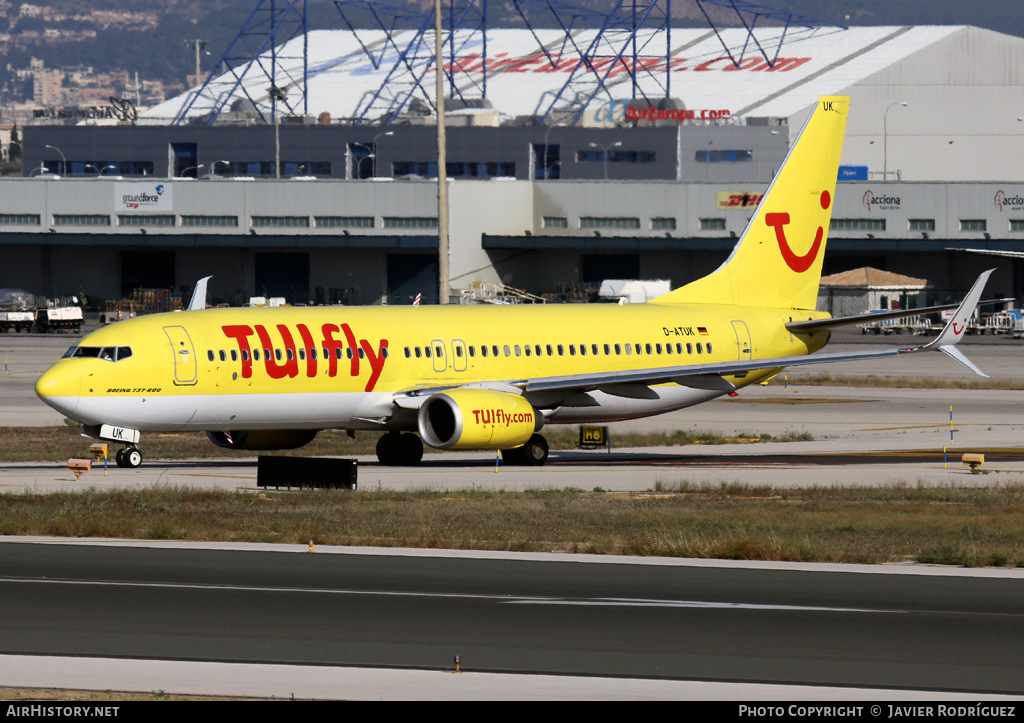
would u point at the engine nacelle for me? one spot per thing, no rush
(263, 438)
(477, 419)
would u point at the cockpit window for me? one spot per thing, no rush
(109, 353)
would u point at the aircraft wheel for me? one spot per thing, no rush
(387, 449)
(132, 457)
(513, 457)
(119, 458)
(535, 452)
(410, 450)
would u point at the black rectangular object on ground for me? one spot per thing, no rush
(306, 472)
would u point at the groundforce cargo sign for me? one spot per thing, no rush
(142, 197)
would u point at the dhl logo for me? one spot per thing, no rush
(359, 351)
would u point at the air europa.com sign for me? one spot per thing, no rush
(143, 197)
(615, 111)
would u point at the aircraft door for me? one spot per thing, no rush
(460, 360)
(439, 355)
(742, 340)
(185, 366)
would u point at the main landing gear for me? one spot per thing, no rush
(399, 450)
(129, 456)
(406, 450)
(532, 454)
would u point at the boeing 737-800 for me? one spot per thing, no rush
(481, 378)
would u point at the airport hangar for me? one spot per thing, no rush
(934, 143)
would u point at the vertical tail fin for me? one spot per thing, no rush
(777, 262)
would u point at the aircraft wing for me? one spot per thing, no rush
(636, 383)
(699, 376)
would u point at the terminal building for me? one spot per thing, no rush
(542, 198)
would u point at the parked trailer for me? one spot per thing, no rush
(1005, 322)
(905, 325)
(17, 320)
(61, 318)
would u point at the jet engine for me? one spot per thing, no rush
(263, 438)
(477, 419)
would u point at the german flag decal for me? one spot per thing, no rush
(702, 330)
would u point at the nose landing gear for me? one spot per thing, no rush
(129, 457)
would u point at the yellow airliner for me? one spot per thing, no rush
(481, 378)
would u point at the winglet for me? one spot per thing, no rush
(956, 327)
(199, 295)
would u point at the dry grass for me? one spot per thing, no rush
(899, 382)
(951, 525)
(56, 444)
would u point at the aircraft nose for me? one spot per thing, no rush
(60, 386)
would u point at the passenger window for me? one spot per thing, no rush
(583, 349)
(408, 353)
(519, 350)
(607, 350)
(561, 350)
(439, 352)
(234, 355)
(536, 349)
(572, 350)
(528, 350)
(483, 351)
(700, 348)
(472, 351)
(418, 355)
(494, 350)
(709, 347)
(209, 354)
(647, 348)
(222, 353)
(550, 353)
(618, 350)
(426, 352)
(362, 353)
(302, 354)
(689, 348)
(629, 348)
(277, 354)
(255, 354)
(508, 352)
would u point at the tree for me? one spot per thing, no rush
(14, 151)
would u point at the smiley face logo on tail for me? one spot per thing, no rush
(779, 221)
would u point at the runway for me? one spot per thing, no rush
(630, 623)
(387, 624)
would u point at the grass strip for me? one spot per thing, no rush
(56, 444)
(895, 381)
(967, 526)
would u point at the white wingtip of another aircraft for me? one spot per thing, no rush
(199, 295)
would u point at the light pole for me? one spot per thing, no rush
(63, 160)
(213, 168)
(885, 137)
(276, 95)
(605, 151)
(199, 45)
(374, 149)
